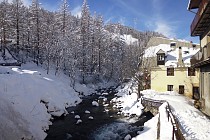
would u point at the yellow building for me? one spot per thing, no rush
(178, 79)
(201, 27)
(173, 71)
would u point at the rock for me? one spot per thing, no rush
(87, 112)
(68, 136)
(94, 103)
(79, 121)
(90, 118)
(128, 137)
(77, 117)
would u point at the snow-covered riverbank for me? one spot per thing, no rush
(22, 93)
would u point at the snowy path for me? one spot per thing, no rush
(194, 125)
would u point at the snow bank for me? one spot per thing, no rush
(150, 130)
(128, 102)
(27, 91)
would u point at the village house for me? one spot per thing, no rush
(171, 69)
(201, 27)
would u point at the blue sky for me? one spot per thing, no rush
(169, 17)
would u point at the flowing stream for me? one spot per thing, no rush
(107, 123)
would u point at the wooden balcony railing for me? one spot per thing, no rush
(201, 56)
(198, 16)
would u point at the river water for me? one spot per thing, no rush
(107, 122)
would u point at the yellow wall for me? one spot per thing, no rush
(204, 41)
(160, 80)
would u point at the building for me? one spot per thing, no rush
(173, 71)
(156, 43)
(201, 27)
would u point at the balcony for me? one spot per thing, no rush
(202, 57)
(201, 21)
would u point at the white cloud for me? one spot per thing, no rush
(165, 28)
(77, 11)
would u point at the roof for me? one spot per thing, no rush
(160, 52)
(193, 4)
(172, 54)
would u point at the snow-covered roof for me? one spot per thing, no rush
(152, 51)
(172, 55)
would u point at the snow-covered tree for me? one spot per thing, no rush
(5, 24)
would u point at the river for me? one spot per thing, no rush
(107, 123)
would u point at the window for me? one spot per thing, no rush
(170, 71)
(170, 88)
(181, 89)
(191, 71)
(173, 44)
(161, 57)
(194, 46)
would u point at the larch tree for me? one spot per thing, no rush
(85, 33)
(5, 24)
(35, 25)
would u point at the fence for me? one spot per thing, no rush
(176, 132)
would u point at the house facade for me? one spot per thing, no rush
(173, 71)
(201, 27)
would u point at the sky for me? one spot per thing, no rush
(169, 17)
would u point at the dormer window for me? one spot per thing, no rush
(194, 46)
(173, 44)
(160, 57)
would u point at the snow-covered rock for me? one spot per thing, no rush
(94, 103)
(87, 112)
(68, 136)
(105, 93)
(90, 118)
(77, 117)
(105, 99)
(128, 137)
(79, 121)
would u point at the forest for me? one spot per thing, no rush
(83, 47)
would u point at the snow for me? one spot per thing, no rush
(105, 93)
(77, 117)
(79, 121)
(150, 130)
(29, 97)
(94, 103)
(68, 136)
(90, 118)
(172, 55)
(128, 137)
(87, 112)
(129, 39)
(194, 125)
(152, 51)
(128, 103)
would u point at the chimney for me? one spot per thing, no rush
(180, 59)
